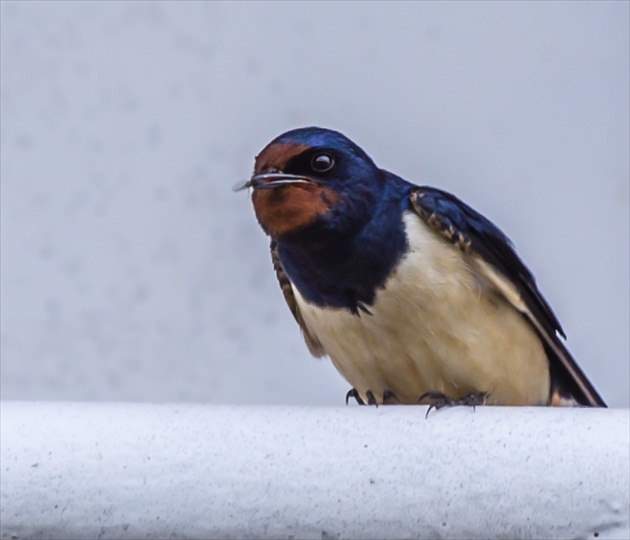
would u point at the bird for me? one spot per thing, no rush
(413, 295)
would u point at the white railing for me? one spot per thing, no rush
(116, 470)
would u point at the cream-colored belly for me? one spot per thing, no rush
(436, 326)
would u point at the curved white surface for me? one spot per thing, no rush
(77, 470)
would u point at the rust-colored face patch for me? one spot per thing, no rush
(276, 156)
(288, 208)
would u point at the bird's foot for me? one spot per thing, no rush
(389, 398)
(441, 400)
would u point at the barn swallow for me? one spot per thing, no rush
(412, 294)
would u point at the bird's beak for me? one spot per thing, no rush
(272, 180)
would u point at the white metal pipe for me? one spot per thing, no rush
(87, 470)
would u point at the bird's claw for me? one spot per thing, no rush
(353, 393)
(389, 397)
(441, 400)
(370, 397)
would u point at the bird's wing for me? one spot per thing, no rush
(491, 254)
(313, 344)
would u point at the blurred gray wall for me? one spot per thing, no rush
(130, 271)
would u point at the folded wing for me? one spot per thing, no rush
(490, 253)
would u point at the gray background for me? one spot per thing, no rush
(130, 271)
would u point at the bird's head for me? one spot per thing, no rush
(313, 181)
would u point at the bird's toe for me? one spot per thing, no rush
(389, 398)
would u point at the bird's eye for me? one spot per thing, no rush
(322, 162)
